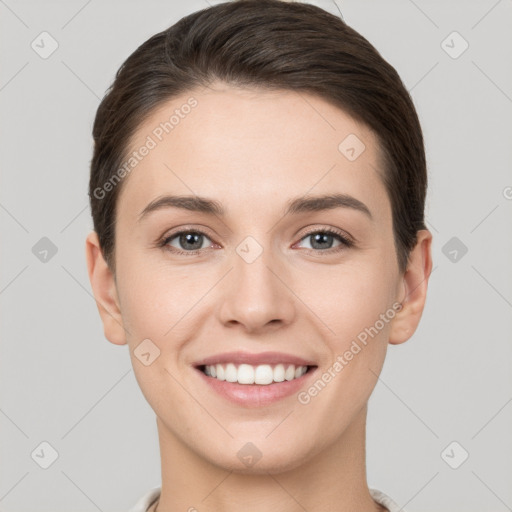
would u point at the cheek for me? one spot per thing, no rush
(154, 296)
(356, 305)
(154, 310)
(362, 317)
(350, 299)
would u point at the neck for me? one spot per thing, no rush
(333, 479)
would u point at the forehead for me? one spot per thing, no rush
(233, 144)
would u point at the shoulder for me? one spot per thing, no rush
(385, 500)
(145, 501)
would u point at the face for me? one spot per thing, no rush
(257, 267)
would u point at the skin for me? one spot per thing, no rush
(252, 151)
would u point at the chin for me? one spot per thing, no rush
(257, 459)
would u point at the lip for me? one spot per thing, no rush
(255, 395)
(239, 357)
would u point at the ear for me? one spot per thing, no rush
(414, 292)
(104, 290)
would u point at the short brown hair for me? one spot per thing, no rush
(268, 44)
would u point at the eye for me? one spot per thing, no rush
(185, 242)
(323, 240)
(191, 242)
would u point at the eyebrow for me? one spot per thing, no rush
(293, 206)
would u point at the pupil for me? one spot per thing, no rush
(191, 238)
(320, 238)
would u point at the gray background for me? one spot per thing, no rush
(63, 383)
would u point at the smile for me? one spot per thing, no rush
(262, 374)
(254, 380)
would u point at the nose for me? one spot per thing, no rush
(257, 296)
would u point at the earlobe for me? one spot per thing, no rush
(104, 290)
(414, 290)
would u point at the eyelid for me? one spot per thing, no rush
(348, 239)
(186, 229)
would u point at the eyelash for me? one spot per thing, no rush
(346, 242)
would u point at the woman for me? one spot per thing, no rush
(257, 190)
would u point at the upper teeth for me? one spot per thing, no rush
(247, 374)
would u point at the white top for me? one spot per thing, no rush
(153, 494)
